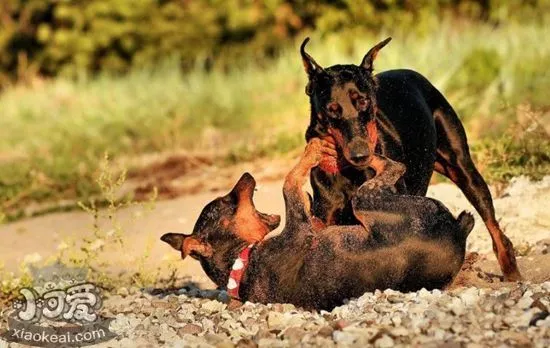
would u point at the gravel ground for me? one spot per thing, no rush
(478, 311)
(471, 317)
(499, 314)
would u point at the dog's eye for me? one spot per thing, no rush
(333, 107)
(359, 99)
(362, 102)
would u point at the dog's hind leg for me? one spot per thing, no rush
(454, 161)
(372, 194)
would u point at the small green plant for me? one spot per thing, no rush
(108, 233)
(108, 238)
(11, 282)
(107, 228)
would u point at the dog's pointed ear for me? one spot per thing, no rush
(187, 245)
(369, 58)
(175, 240)
(311, 66)
(193, 247)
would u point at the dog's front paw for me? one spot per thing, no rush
(329, 160)
(374, 184)
(320, 152)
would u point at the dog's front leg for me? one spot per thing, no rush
(297, 200)
(377, 198)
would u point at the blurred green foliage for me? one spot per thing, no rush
(120, 86)
(55, 131)
(480, 67)
(72, 37)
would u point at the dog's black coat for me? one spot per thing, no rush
(415, 125)
(412, 119)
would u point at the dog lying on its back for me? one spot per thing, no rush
(404, 243)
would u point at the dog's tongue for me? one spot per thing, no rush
(329, 164)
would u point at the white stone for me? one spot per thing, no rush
(384, 342)
(525, 302)
(470, 296)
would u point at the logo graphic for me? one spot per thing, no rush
(60, 308)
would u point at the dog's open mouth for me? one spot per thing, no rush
(245, 188)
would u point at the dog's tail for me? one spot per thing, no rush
(466, 222)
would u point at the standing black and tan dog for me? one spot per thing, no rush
(398, 114)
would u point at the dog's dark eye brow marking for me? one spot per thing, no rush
(333, 106)
(353, 93)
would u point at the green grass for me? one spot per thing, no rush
(523, 149)
(55, 132)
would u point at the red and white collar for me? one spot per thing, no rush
(237, 272)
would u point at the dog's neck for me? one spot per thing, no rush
(218, 267)
(237, 272)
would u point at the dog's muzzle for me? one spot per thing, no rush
(358, 152)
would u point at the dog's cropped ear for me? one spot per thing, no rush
(369, 58)
(187, 245)
(175, 240)
(311, 66)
